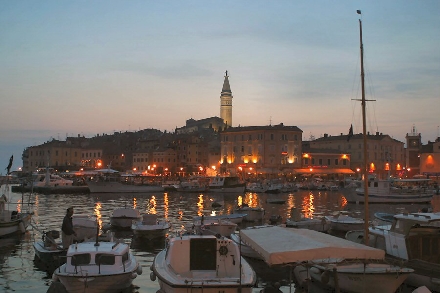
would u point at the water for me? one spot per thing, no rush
(19, 272)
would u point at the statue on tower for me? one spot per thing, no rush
(226, 73)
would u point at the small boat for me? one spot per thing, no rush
(213, 227)
(344, 223)
(124, 217)
(150, 227)
(110, 181)
(296, 220)
(97, 267)
(85, 227)
(386, 217)
(255, 187)
(12, 221)
(192, 186)
(252, 214)
(202, 263)
(227, 184)
(234, 218)
(356, 265)
(245, 249)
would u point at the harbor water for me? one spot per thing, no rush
(20, 273)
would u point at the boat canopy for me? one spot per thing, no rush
(279, 245)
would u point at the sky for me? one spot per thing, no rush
(94, 67)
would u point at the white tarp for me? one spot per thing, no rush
(279, 245)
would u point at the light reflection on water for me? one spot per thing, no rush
(18, 272)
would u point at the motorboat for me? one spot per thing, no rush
(245, 249)
(124, 217)
(412, 239)
(307, 251)
(226, 184)
(45, 177)
(296, 220)
(202, 263)
(234, 218)
(97, 267)
(252, 214)
(255, 187)
(150, 227)
(352, 276)
(213, 227)
(394, 191)
(85, 227)
(342, 222)
(192, 186)
(12, 219)
(110, 181)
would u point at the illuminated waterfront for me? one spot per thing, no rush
(18, 272)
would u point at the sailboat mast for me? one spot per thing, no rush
(364, 128)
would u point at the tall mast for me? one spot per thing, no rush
(364, 128)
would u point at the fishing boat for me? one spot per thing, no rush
(202, 263)
(343, 222)
(123, 218)
(252, 214)
(150, 227)
(226, 184)
(234, 218)
(13, 217)
(213, 227)
(296, 220)
(358, 268)
(394, 190)
(97, 267)
(110, 181)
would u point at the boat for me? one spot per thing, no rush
(234, 218)
(124, 217)
(275, 201)
(226, 184)
(342, 222)
(245, 249)
(357, 267)
(193, 186)
(255, 187)
(394, 191)
(13, 218)
(412, 239)
(85, 227)
(252, 214)
(150, 227)
(202, 263)
(385, 217)
(296, 220)
(110, 181)
(97, 267)
(213, 227)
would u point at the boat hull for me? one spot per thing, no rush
(117, 187)
(96, 284)
(17, 224)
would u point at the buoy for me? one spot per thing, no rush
(139, 270)
(152, 277)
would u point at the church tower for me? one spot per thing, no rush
(226, 102)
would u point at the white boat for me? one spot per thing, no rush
(213, 227)
(234, 218)
(226, 184)
(353, 276)
(113, 182)
(124, 217)
(412, 239)
(192, 186)
(97, 267)
(343, 223)
(394, 191)
(48, 179)
(13, 217)
(296, 220)
(255, 187)
(245, 249)
(150, 227)
(354, 263)
(195, 263)
(85, 227)
(252, 214)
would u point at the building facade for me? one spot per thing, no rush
(385, 155)
(260, 149)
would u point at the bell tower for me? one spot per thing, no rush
(226, 102)
(413, 145)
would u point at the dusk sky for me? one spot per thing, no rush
(93, 67)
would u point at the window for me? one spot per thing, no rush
(328, 162)
(271, 136)
(80, 259)
(336, 162)
(104, 259)
(320, 162)
(344, 162)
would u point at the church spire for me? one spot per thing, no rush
(226, 102)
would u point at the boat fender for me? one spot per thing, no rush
(22, 227)
(133, 275)
(325, 277)
(223, 250)
(152, 277)
(139, 270)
